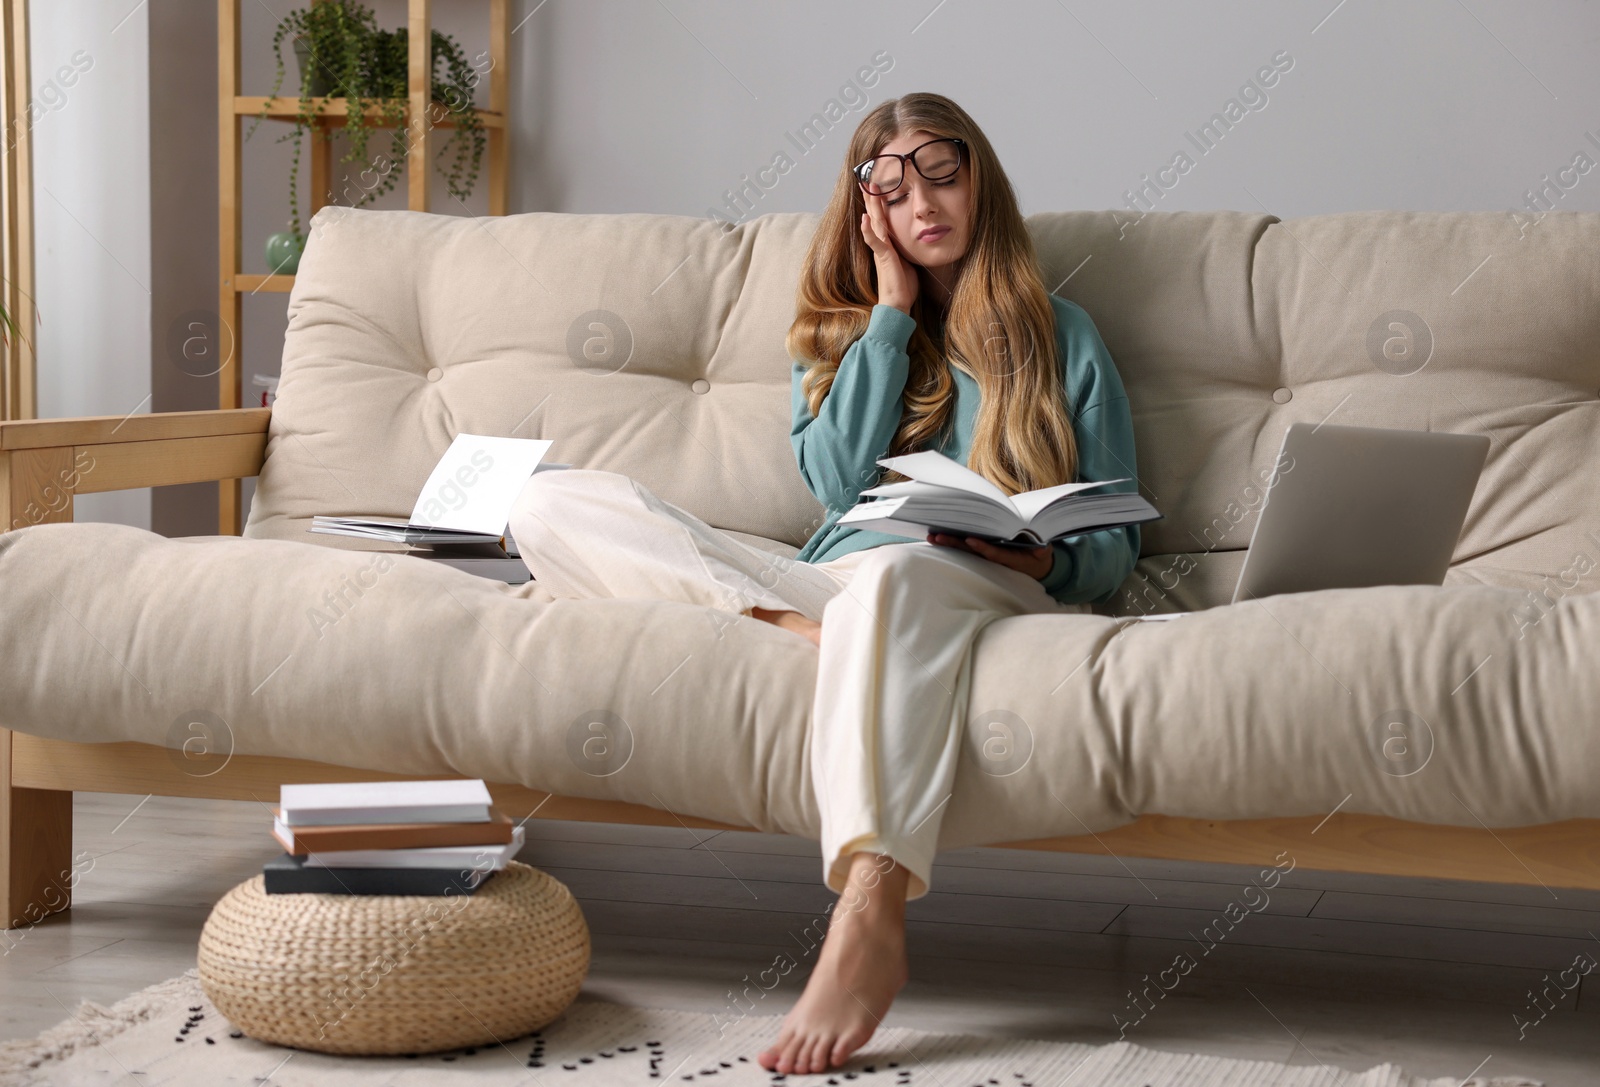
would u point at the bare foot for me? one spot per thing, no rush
(792, 620)
(861, 967)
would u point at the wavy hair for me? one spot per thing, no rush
(1023, 437)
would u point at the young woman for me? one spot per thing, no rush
(922, 323)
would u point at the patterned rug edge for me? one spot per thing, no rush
(88, 1025)
(22, 1059)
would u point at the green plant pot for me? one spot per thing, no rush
(283, 253)
(319, 74)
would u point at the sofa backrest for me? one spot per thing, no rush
(653, 345)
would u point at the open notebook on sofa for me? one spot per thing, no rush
(462, 514)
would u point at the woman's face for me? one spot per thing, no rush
(919, 206)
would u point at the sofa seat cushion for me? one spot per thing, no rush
(1195, 580)
(1265, 709)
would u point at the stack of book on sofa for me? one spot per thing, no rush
(389, 838)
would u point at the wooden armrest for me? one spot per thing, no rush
(110, 429)
(44, 462)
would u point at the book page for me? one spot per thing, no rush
(905, 487)
(933, 467)
(1029, 503)
(476, 482)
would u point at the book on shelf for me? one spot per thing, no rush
(453, 800)
(328, 839)
(466, 499)
(943, 495)
(268, 384)
(288, 874)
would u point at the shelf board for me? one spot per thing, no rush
(336, 111)
(250, 284)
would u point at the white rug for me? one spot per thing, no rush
(170, 1034)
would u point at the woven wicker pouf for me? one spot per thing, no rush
(393, 974)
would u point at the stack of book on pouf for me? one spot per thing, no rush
(389, 838)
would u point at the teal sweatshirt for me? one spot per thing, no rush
(838, 450)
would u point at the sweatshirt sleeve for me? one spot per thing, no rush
(838, 449)
(1089, 568)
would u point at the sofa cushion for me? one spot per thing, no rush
(653, 345)
(1227, 327)
(639, 343)
(1270, 708)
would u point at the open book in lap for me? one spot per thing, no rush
(943, 495)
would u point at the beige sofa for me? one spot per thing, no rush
(1444, 732)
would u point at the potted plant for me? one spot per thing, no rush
(344, 54)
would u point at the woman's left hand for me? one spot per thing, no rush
(1034, 561)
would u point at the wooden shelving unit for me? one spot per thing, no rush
(422, 114)
(19, 392)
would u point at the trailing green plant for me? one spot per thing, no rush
(455, 92)
(9, 326)
(368, 67)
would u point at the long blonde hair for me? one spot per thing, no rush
(1023, 437)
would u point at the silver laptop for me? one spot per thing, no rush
(1353, 506)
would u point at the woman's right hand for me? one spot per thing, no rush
(897, 279)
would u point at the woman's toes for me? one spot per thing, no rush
(848, 1043)
(798, 1055)
(820, 1050)
(783, 1050)
(790, 1061)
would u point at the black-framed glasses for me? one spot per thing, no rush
(934, 160)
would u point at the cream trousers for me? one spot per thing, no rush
(898, 624)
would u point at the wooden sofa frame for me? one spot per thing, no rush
(44, 462)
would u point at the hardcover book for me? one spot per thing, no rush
(454, 800)
(467, 498)
(328, 839)
(945, 496)
(288, 874)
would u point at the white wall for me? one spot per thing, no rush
(92, 217)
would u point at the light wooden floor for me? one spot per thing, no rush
(1347, 971)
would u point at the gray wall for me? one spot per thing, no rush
(1432, 105)
(640, 105)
